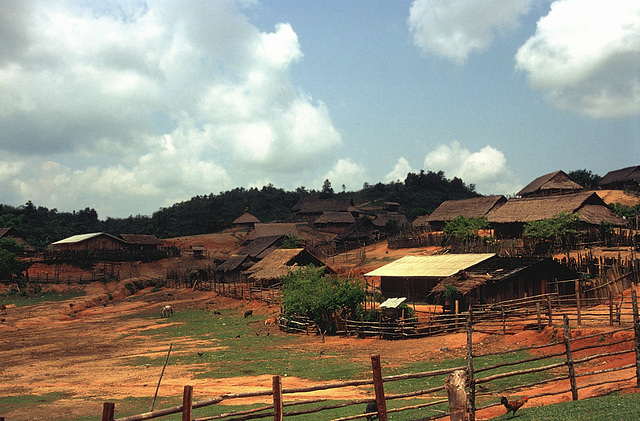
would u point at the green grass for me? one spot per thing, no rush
(39, 298)
(604, 408)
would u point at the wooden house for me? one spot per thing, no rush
(246, 220)
(550, 184)
(506, 278)
(142, 242)
(333, 222)
(12, 234)
(92, 241)
(273, 229)
(475, 207)
(363, 231)
(622, 179)
(262, 246)
(413, 277)
(310, 208)
(234, 269)
(508, 220)
(280, 262)
(421, 221)
(394, 221)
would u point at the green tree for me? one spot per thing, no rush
(464, 229)
(309, 292)
(561, 229)
(10, 266)
(585, 178)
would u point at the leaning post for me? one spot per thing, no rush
(636, 329)
(378, 386)
(472, 384)
(572, 371)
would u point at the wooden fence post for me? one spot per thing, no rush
(454, 385)
(108, 411)
(457, 314)
(539, 317)
(550, 311)
(572, 372)
(378, 385)
(187, 403)
(578, 302)
(504, 322)
(610, 308)
(636, 328)
(470, 378)
(277, 398)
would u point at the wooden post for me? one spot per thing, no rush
(578, 302)
(550, 311)
(187, 403)
(153, 402)
(457, 313)
(456, 395)
(108, 411)
(610, 308)
(572, 372)
(539, 317)
(277, 398)
(378, 385)
(636, 328)
(504, 323)
(472, 383)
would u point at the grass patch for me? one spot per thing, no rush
(13, 403)
(604, 408)
(39, 298)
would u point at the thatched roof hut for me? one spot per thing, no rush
(280, 262)
(557, 182)
(233, 269)
(146, 242)
(262, 246)
(383, 219)
(509, 219)
(12, 234)
(333, 222)
(310, 208)
(622, 179)
(269, 230)
(475, 207)
(421, 220)
(246, 220)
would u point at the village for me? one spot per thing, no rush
(424, 285)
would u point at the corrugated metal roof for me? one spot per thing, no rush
(393, 302)
(78, 238)
(437, 266)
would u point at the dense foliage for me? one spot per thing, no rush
(585, 178)
(559, 230)
(10, 266)
(463, 229)
(213, 213)
(322, 298)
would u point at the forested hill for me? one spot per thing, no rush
(213, 213)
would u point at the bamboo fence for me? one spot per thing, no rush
(565, 372)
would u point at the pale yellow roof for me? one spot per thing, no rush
(437, 266)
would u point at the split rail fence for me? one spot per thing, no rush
(562, 367)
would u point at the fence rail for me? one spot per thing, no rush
(484, 383)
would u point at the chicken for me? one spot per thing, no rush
(513, 406)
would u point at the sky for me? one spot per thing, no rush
(130, 106)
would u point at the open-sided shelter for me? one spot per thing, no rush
(414, 276)
(506, 278)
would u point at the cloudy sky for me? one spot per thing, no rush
(130, 106)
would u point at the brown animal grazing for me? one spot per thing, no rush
(248, 313)
(513, 406)
(271, 321)
(216, 312)
(166, 311)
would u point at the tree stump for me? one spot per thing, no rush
(457, 395)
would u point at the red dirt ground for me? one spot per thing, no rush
(76, 347)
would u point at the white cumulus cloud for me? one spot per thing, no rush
(400, 171)
(455, 28)
(487, 168)
(345, 172)
(584, 56)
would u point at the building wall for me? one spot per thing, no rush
(102, 242)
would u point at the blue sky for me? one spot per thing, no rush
(129, 106)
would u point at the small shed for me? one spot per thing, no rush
(142, 242)
(414, 276)
(92, 241)
(557, 182)
(390, 308)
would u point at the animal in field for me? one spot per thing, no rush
(248, 313)
(513, 406)
(371, 407)
(271, 321)
(3, 309)
(216, 312)
(167, 311)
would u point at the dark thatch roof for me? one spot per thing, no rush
(246, 218)
(421, 220)
(281, 261)
(475, 207)
(360, 229)
(555, 182)
(335, 218)
(141, 239)
(621, 176)
(262, 246)
(12, 234)
(241, 261)
(539, 208)
(268, 230)
(381, 220)
(318, 205)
